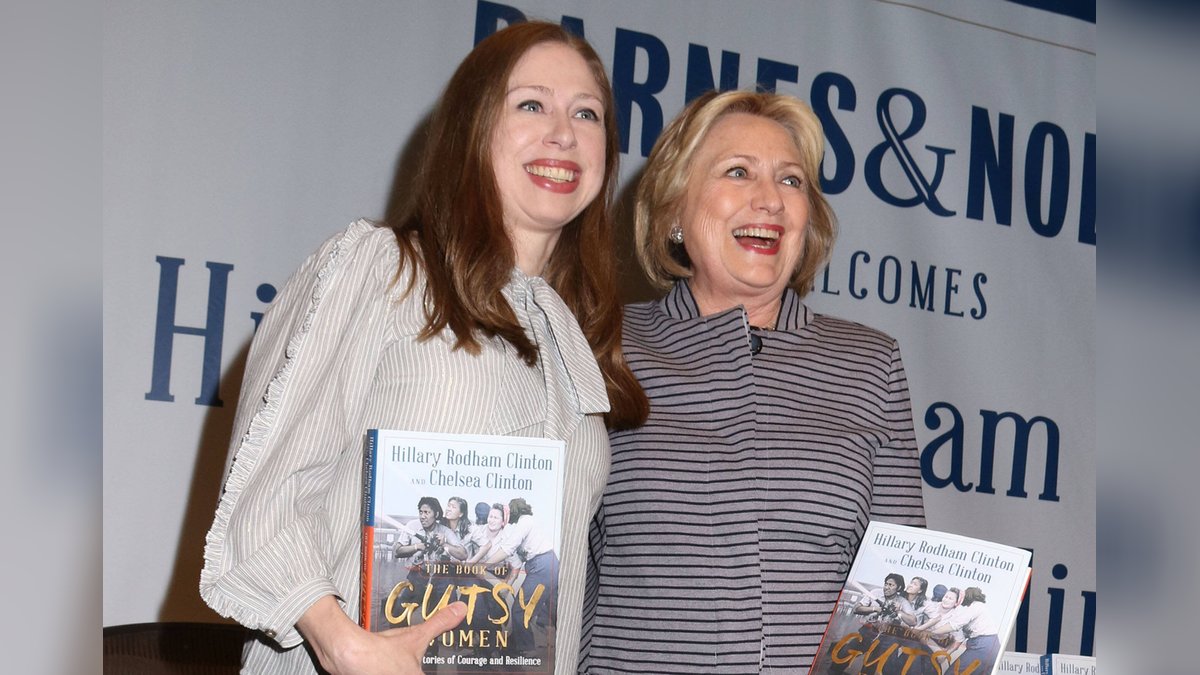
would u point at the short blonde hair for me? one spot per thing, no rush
(664, 183)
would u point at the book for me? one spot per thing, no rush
(419, 555)
(1019, 663)
(1067, 664)
(923, 602)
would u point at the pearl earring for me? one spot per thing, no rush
(676, 234)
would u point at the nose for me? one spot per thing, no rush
(767, 197)
(561, 131)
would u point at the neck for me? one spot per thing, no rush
(762, 312)
(533, 250)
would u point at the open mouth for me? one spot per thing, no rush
(758, 237)
(555, 173)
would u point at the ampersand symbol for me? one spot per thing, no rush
(926, 190)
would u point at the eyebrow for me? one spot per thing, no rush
(542, 89)
(753, 159)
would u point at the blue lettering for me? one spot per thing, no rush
(1060, 177)
(992, 164)
(573, 25)
(1087, 198)
(951, 291)
(165, 330)
(1021, 630)
(770, 73)
(265, 293)
(894, 262)
(865, 257)
(1087, 636)
(922, 294)
(953, 435)
(991, 420)
(1057, 597)
(835, 139)
(977, 283)
(925, 188)
(825, 283)
(700, 75)
(492, 16)
(627, 92)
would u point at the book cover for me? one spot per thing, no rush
(923, 602)
(475, 518)
(1068, 664)
(1019, 663)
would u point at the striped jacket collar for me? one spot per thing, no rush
(680, 304)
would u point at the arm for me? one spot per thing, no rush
(896, 480)
(864, 605)
(905, 611)
(266, 558)
(870, 605)
(509, 540)
(928, 624)
(482, 552)
(954, 620)
(405, 550)
(455, 548)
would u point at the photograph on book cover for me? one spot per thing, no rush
(921, 602)
(472, 518)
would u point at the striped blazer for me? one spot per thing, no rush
(337, 354)
(731, 518)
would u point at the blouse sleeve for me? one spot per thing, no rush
(307, 373)
(897, 471)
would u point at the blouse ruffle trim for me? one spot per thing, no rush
(254, 441)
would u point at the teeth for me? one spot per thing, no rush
(759, 232)
(553, 173)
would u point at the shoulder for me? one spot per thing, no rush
(640, 316)
(365, 245)
(836, 331)
(362, 258)
(363, 265)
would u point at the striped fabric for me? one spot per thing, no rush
(336, 355)
(731, 518)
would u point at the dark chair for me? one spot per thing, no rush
(173, 648)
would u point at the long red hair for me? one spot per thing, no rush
(453, 226)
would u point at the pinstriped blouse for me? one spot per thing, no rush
(337, 354)
(731, 518)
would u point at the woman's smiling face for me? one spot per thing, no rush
(744, 213)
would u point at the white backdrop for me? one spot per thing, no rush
(238, 135)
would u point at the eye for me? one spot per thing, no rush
(588, 114)
(530, 106)
(737, 172)
(793, 181)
